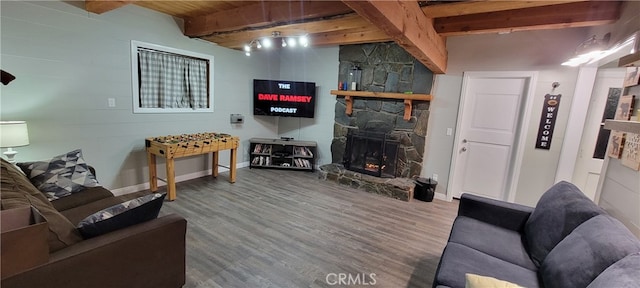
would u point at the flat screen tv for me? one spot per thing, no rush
(284, 98)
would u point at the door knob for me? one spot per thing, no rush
(464, 149)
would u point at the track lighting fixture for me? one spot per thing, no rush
(593, 50)
(291, 42)
(267, 42)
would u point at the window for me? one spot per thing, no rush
(167, 80)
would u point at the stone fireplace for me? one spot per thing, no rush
(386, 67)
(371, 153)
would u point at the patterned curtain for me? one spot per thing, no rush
(172, 81)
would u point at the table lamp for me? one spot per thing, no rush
(13, 134)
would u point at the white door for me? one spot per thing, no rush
(492, 110)
(587, 169)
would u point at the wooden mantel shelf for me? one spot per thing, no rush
(408, 99)
(623, 126)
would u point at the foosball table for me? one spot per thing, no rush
(176, 146)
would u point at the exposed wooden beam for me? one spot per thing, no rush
(102, 6)
(407, 25)
(237, 40)
(349, 37)
(579, 14)
(262, 14)
(483, 6)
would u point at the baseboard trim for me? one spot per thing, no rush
(441, 196)
(179, 178)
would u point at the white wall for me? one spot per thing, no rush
(68, 62)
(319, 65)
(443, 114)
(541, 51)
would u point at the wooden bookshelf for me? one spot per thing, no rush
(407, 97)
(282, 154)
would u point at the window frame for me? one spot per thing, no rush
(135, 76)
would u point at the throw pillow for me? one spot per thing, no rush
(560, 210)
(18, 192)
(122, 215)
(60, 176)
(590, 249)
(477, 281)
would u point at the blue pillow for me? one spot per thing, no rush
(122, 215)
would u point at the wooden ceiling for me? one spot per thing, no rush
(418, 26)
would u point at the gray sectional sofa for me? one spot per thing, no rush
(565, 241)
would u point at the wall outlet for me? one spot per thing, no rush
(449, 131)
(434, 177)
(236, 119)
(111, 102)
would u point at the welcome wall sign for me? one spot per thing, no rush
(547, 121)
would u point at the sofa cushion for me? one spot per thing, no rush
(622, 274)
(458, 259)
(496, 241)
(122, 215)
(560, 210)
(17, 192)
(592, 247)
(87, 196)
(61, 175)
(479, 281)
(14, 180)
(76, 214)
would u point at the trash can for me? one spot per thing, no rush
(425, 189)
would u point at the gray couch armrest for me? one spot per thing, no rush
(500, 213)
(150, 254)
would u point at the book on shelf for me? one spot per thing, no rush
(302, 163)
(303, 151)
(262, 148)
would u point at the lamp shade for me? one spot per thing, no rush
(13, 134)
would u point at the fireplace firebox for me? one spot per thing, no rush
(372, 153)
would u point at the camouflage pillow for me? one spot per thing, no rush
(60, 176)
(122, 215)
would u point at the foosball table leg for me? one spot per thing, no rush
(214, 164)
(232, 168)
(153, 174)
(171, 180)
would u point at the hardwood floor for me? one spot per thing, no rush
(276, 228)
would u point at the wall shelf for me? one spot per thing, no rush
(623, 126)
(408, 99)
(630, 60)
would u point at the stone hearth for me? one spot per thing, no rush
(398, 188)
